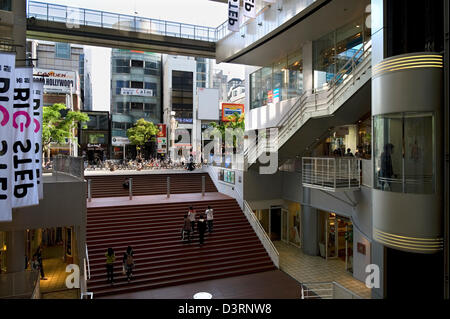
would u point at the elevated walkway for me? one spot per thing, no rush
(98, 28)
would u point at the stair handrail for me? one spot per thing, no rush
(262, 235)
(88, 265)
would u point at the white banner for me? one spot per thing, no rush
(38, 100)
(249, 8)
(7, 72)
(23, 174)
(233, 15)
(138, 92)
(270, 1)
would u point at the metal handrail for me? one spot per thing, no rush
(328, 291)
(88, 265)
(262, 235)
(181, 30)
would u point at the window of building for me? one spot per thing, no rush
(121, 107)
(121, 84)
(404, 152)
(137, 106)
(5, 5)
(137, 85)
(182, 99)
(122, 65)
(62, 50)
(137, 63)
(151, 86)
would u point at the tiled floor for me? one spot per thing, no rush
(264, 285)
(306, 268)
(55, 272)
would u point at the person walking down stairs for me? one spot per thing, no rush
(201, 226)
(209, 218)
(186, 231)
(192, 215)
(128, 262)
(110, 258)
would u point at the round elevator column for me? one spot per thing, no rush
(407, 99)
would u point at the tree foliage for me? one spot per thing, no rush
(141, 133)
(57, 128)
(236, 123)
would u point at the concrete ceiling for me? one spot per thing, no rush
(318, 19)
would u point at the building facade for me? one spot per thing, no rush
(136, 93)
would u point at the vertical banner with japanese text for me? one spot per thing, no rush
(233, 15)
(250, 8)
(23, 174)
(7, 72)
(38, 100)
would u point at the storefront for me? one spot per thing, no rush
(282, 222)
(336, 238)
(95, 137)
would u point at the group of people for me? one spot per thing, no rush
(204, 223)
(128, 264)
(341, 152)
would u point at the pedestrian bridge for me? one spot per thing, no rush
(98, 28)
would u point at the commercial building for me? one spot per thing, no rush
(136, 93)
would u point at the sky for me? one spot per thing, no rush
(199, 12)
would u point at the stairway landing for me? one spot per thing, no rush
(154, 199)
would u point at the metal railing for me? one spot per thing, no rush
(262, 235)
(331, 173)
(323, 102)
(326, 290)
(70, 165)
(24, 284)
(75, 17)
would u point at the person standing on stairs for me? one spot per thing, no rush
(192, 215)
(128, 261)
(187, 227)
(209, 218)
(201, 226)
(110, 258)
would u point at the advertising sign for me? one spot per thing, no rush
(229, 109)
(208, 104)
(38, 103)
(249, 8)
(269, 96)
(137, 92)
(233, 15)
(162, 130)
(57, 81)
(7, 71)
(162, 145)
(25, 127)
(120, 141)
(276, 95)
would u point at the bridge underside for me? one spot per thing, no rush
(120, 39)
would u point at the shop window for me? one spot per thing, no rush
(404, 153)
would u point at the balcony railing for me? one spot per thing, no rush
(326, 290)
(331, 173)
(19, 285)
(69, 165)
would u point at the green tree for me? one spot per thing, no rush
(236, 122)
(141, 133)
(56, 128)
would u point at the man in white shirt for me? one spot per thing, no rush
(209, 218)
(191, 216)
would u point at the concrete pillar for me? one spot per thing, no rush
(15, 254)
(378, 258)
(19, 29)
(309, 225)
(307, 53)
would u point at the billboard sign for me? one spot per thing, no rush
(57, 81)
(229, 109)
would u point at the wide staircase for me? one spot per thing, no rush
(150, 184)
(161, 257)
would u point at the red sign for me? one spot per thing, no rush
(162, 130)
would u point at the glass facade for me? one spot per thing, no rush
(182, 98)
(281, 81)
(404, 152)
(62, 50)
(332, 51)
(134, 70)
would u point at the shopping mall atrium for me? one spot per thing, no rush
(135, 165)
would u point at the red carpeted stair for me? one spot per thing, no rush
(162, 259)
(150, 184)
